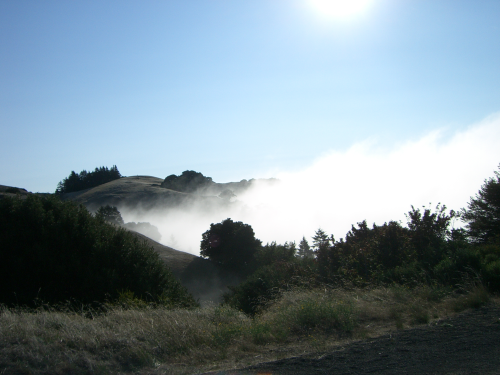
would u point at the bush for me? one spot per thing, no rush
(267, 284)
(274, 253)
(490, 272)
(319, 314)
(57, 251)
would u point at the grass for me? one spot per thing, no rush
(146, 340)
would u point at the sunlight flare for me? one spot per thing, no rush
(340, 8)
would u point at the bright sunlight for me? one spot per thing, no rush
(340, 8)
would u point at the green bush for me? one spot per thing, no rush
(490, 272)
(57, 251)
(267, 284)
(324, 315)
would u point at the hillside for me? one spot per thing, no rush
(198, 275)
(146, 193)
(143, 191)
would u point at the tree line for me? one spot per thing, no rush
(86, 180)
(53, 252)
(424, 251)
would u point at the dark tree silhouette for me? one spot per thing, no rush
(429, 232)
(110, 214)
(321, 240)
(231, 244)
(187, 182)
(57, 251)
(305, 250)
(483, 213)
(86, 180)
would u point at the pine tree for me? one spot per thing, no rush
(483, 213)
(305, 250)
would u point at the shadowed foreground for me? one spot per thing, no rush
(466, 344)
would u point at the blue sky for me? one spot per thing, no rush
(235, 89)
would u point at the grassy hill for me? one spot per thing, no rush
(198, 275)
(128, 191)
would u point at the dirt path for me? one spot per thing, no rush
(466, 344)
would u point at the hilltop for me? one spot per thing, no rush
(147, 192)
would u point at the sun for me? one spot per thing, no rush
(340, 8)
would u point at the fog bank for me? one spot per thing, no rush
(342, 188)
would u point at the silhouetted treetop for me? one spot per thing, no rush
(483, 213)
(110, 214)
(86, 180)
(187, 182)
(231, 244)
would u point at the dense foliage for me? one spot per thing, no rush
(110, 214)
(187, 182)
(425, 251)
(87, 180)
(57, 251)
(230, 244)
(268, 283)
(483, 213)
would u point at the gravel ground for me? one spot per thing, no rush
(466, 344)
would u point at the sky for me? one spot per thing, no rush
(245, 89)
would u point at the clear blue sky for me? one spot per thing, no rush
(232, 89)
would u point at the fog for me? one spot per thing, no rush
(340, 188)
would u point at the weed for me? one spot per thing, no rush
(261, 333)
(142, 338)
(419, 314)
(476, 298)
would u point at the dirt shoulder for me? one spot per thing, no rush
(468, 343)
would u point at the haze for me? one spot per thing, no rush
(368, 182)
(360, 116)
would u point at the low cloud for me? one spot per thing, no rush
(339, 189)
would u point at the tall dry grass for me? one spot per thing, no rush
(157, 340)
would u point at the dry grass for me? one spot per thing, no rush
(214, 337)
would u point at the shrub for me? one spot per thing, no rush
(323, 314)
(267, 284)
(57, 251)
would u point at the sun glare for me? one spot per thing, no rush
(340, 8)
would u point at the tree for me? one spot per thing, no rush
(429, 232)
(110, 214)
(57, 251)
(187, 182)
(321, 240)
(86, 180)
(227, 195)
(274, 253)
(305, 250)
(230, 244)
(483, 213)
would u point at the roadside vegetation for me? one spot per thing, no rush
(130, 338)
(53, 252)
(133, 316)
